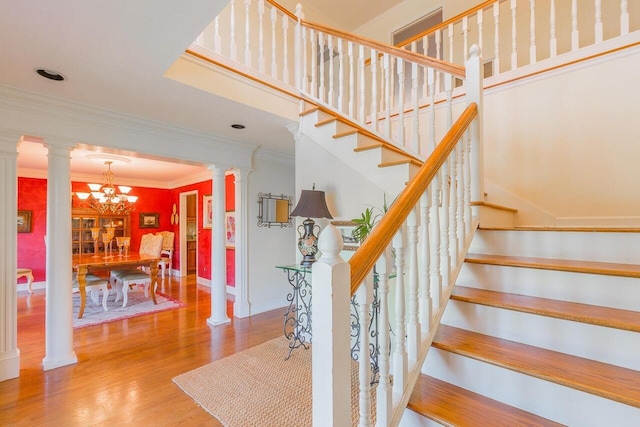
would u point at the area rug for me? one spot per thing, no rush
(137, 305)
(258, 387)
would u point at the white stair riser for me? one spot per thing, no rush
(379, 155)
(592, 289)
(588, 246)
(607, 345)
(492, 217)
(549, 400)
(391, 180)
(413, 419)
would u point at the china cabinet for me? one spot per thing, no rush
(83, 220)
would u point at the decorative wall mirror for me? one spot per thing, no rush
(274, 210)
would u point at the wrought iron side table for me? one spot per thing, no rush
(297, 319)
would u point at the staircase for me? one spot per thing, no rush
(538, 337)
(382, 163)
(524, 327)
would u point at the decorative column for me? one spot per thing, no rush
(9, 352)
(241, 307)
(218, 251)
(59, 304)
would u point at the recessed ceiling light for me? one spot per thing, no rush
(237, 126)
(50, 74)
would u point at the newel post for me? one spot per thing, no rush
(474, 88)
(331, 377)
(298, 47)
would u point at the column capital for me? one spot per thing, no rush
(241, 173)
(218, 169)
(57, 144)
(9, 140)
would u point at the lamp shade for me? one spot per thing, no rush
(312, 204)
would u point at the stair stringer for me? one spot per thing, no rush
(391, 179)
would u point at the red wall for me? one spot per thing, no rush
(204, 234)
(32, 195)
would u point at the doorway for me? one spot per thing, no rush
(189, 233)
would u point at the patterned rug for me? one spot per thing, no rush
(258, 387)
(138, 305)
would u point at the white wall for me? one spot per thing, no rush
(567, 142)
(268, 247)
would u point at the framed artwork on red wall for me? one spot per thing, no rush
(230, 219)
(149, 220)
(24, 221)
(207, 212)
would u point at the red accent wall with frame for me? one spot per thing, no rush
(32, 196)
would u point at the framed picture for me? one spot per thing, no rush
(149, 220)
(346, 231)
(24, 221)
(207, 212)
(230, 224)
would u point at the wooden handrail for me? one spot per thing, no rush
(456, 70)
(283, 10)
(374, 245)
(447, 22)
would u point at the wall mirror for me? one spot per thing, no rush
(274, 210)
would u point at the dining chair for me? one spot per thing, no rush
(93, 286)
(167, 251)
(121, 280)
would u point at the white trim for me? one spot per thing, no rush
(267, 306)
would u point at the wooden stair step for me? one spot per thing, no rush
(565, 229)
(591, 267)
(596, 315)
(400, 162)
(494, 206)
(450, 405)
(597, 378)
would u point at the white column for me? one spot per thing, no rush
(9, 352)
(241, 307)
(218, 251)
(59, 304)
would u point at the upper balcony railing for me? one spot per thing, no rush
(514, 34)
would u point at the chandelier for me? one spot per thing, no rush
(106, 197)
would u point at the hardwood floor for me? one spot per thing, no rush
(124, 370)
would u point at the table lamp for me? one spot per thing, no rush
(312, 204)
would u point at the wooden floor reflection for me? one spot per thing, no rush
(124, 370)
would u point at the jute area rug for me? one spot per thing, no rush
(259, 388)
(137, 305)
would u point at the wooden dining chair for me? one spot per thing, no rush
(167, 251)
(93, 286)
(121, 280)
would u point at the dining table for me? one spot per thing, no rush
(84, 263)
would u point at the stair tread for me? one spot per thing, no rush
(455, 406)
(565, 229)
(609, 381)
(585, 313)
(494, 206)
(593, 267)
(400, 162)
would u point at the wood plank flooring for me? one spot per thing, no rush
(124, 370)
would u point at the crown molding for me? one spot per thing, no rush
(194, 145)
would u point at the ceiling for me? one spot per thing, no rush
(114, 55)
